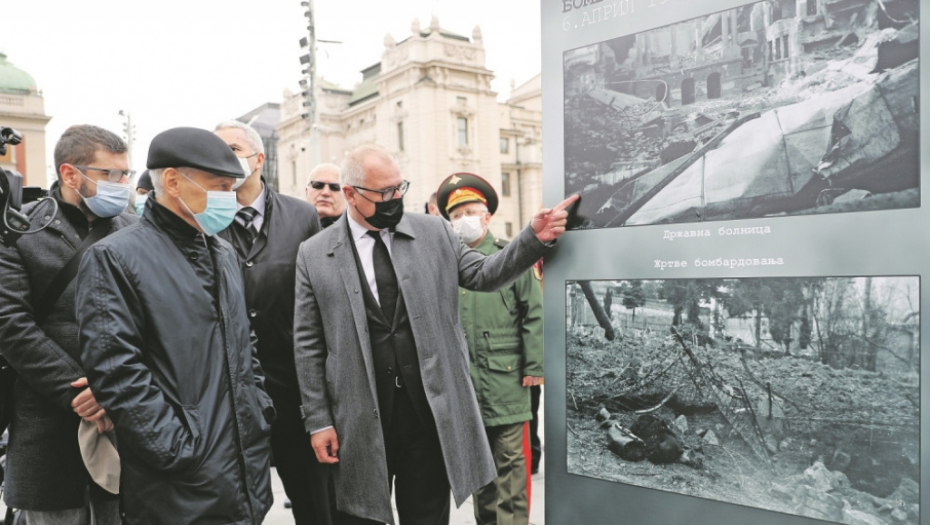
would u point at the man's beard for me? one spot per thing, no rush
(83, 189)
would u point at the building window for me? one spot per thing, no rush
(508, 229)
(811, 7)
(785, 40)
(505, 145)
(400, 136)
(505, 184)
(463, 131)
(461, 100)
(400, 103)
(688, 95)
(714, 88)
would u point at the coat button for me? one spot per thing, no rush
(253, 313)
(192, 256)
(376, 413)
(250, 264)
(463, 292)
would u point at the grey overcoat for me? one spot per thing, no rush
(333, 351)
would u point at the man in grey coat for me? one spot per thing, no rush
(380, 353)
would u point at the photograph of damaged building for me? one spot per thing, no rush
(781, 107)
(795, 395)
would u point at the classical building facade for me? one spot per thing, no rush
(429, 101)
(23, 108)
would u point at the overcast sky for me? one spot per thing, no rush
(196, 62)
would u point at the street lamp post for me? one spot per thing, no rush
(129, 133)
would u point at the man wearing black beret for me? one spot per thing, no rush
(165, 340)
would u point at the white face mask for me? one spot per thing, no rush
(244, 162)
(469, 228)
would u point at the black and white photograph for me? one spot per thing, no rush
(798, 395)
(778, 107)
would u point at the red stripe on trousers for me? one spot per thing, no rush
(528, 456)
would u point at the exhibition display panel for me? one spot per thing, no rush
(733, 323)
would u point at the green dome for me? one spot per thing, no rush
(13, 79)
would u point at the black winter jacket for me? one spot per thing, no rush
(165, 342)
(269, 271)
(44, 469)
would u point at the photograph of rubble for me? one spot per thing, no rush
(797, 395)
(779, 107)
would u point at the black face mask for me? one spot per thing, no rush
(387, 214)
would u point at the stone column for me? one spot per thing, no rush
(725, 31)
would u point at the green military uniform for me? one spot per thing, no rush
(504, 331)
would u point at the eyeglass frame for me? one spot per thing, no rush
(333, 186)
(122, 173)
(404, 186)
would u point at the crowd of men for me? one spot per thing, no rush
(170, 338)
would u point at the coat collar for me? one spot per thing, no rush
(341, 250)
(404, 227)
(166, 221)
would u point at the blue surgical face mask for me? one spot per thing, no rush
(140, 203)
(111, 198)
(219, 213)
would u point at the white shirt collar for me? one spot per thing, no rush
(359, 231)
(258, 205)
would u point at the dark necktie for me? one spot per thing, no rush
(384, 277)
(245, 216)
(244, 230)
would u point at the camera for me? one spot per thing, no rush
(13, 223)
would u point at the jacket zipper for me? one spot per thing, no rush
(232, 396)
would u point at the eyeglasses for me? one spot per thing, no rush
(387, 194)
(113, 175)
(319, 185)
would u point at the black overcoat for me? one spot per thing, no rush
(44, 470)
(165, 342)
(268, 272)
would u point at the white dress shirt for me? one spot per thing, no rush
(259, 206)
(365, 245)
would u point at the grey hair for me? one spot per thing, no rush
(157, 181)
(353, 167)
(251, 136)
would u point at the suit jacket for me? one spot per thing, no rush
(335, 364)
(268, 275)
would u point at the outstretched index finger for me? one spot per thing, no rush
(566, 203)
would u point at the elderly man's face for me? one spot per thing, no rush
(379, 174)
(194, 185)
(320, 193)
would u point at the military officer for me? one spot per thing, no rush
(504, 332)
